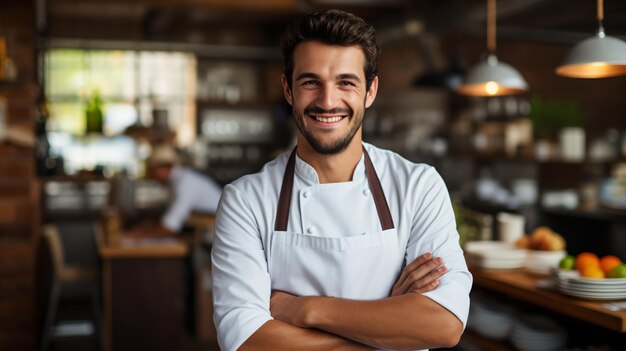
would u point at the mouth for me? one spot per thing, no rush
(327, 119)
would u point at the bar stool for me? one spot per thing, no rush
(64, 276)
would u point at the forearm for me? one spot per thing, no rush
(277, 335)
(410, 321)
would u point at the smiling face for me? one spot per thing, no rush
(328, 95)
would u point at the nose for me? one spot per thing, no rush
(327, 98)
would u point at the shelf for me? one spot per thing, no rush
(15, 83)
(520, 285)
(486, 158)
(256, 104)
(488, 207)
(602, 214)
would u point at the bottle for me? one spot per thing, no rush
(8, 70)
(93, 114)
(111, 225)
(45, 164)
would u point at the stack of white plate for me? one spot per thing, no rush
(495, 255)
(541, 262)
(594, 289)
(537, 333)
(494, 321)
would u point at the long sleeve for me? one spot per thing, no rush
(434, 230)
(241, 282)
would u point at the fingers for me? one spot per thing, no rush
(419, 278)
(428, 282)
(420, 260)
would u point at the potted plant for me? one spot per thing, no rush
(562, 117)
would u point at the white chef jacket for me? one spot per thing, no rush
(245, 269)
(191, 192)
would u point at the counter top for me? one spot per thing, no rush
(142, 247)
(521, 285)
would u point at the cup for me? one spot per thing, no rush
(510, 227)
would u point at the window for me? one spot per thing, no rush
(134, 87)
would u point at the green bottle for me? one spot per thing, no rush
(93, 114)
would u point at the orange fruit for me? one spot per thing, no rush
(609, 262)
(592, 272)
(586, 260)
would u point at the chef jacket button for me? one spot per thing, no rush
(366, 192)
(306, 194)
(310, 230)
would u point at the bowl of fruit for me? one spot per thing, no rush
(545, 248)
(591, 266)
(589, 276)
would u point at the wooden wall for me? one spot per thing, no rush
(19, 192)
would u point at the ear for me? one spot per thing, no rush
(371, 93)
(287, 90)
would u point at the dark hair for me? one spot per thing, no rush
(333, 27)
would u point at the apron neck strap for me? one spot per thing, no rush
(284, 200)
(384, 215)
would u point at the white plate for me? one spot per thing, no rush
(605, 281)
(574, 277)
(596, 296)
(595, 282)
(585, 289)
(495, 250)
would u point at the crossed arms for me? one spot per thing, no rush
(325, 323)
(249, 315)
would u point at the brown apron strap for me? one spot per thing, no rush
(284, 200)
(384, 215)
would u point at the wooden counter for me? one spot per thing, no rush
(143, 284)
(520, 285)
(145, 248)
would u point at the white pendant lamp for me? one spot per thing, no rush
(600, 56)
(491, 77)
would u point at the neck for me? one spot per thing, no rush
(334, 168)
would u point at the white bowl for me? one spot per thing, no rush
(543, 261)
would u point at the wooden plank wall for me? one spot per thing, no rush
(19, 190)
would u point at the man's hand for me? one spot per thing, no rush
(288, 308)
(420, 276)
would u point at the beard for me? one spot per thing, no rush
(336, 146)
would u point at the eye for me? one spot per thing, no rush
(347, 83)
(310, 82)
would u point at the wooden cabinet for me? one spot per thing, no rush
(143, 294)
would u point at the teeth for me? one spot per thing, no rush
(328, 120)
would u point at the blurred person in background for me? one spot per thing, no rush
(191, 192)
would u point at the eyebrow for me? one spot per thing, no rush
(350, 76)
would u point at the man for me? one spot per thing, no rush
(191, 192)
(310, 251)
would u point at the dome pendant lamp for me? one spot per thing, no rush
(491, 77)
(600, 56)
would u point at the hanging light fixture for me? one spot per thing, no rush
(600, 56)
(491, 77)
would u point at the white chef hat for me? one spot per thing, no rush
(163, 155)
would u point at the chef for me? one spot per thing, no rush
(192, 192)
(337, 244)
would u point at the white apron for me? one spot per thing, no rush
(360, 267)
